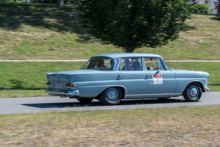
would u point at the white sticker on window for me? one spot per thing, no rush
(157, 78)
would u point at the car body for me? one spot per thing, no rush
(112, 77)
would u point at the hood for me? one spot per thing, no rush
(190, 73)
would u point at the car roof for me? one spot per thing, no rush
(123, 55)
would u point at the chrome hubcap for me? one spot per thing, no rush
(193, 92)
(112, 94)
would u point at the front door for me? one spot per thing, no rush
(132, 76)
(159, 79)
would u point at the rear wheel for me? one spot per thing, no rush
(85, 100)
(111, 96)
(193, 92)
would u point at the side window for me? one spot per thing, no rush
(100, 63)
(136, 64)
(105, 64)
(131, 64)
(110, 64)
(151, 63)
(125, 64)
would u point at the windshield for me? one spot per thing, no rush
(100, 63)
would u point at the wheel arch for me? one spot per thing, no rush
(122, 88)
(200, 83)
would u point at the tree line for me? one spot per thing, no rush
(131, 24)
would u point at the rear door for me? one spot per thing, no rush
(132, 76)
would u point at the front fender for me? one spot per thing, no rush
(183, 83)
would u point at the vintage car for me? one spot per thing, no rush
(116, 76)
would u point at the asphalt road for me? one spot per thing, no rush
(49, 104)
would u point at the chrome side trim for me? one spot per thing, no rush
(207, 89)
(174, 94)
(60, 93)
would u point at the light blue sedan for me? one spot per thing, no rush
(113, 77)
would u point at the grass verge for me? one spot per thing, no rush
(23, 79)
(28, 78)
(183, 126)
(31, 31)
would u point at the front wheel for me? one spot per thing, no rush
(193, 92)
(85, 100)
(111, 96)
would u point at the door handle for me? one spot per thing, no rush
(148, 76)
(120, 76)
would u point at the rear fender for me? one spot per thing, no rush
(121, 87)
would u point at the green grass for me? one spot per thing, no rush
(23, 79)
(29, 78)
(41, 32)
(183, 126)
(38, 31)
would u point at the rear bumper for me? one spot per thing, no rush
(207, 89)
(63, 93)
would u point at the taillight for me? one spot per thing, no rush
(48, 83)
(70, 85)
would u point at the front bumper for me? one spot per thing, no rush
(63, 93)
(207, 89)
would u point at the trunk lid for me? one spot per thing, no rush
(67, 76)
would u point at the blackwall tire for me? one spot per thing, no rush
(193, 92)
(111, 96)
